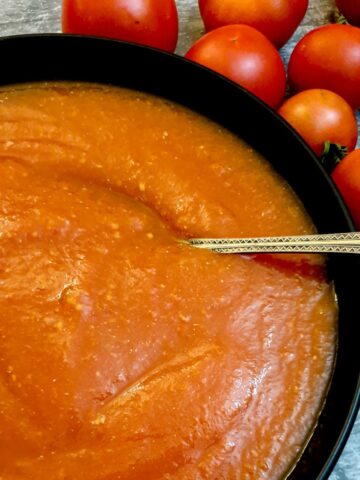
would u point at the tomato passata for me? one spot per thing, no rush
(276, 19)
(351, 10)
(328, 57)
(149, 22)
(247, 57)
(321, 116)
(347, 178)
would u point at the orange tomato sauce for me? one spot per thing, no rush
(125, 354)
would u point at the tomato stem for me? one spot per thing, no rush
(332, 155)
(339, 18)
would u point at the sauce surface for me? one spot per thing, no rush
(125, 354)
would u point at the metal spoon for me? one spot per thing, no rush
(327, 243)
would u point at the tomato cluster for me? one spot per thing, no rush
(241, 43)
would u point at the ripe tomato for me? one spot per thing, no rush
(321, 116)
(276, 19)
(149, 22)
(347, 178)
(351, 10)
(328, 57)
(246, 56)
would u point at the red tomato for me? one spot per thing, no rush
(276, 19)
(321, 116)
(328, 57)
(347, 178)
(149, 22)
(246, 56)
(351, 10)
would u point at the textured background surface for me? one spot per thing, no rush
(37, 16)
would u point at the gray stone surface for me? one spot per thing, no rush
(38, 16)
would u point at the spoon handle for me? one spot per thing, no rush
(327, 243)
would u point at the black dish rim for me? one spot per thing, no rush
(58, 57)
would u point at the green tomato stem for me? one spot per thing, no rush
(332, 155)
(339, 18)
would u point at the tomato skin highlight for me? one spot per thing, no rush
(347, 178)
(328, 57)
(147, 22)
(276, 19)
(321, 116)
(245, 56)
(351, 10)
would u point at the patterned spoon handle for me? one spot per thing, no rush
(327, 243)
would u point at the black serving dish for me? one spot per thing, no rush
(76, 58)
